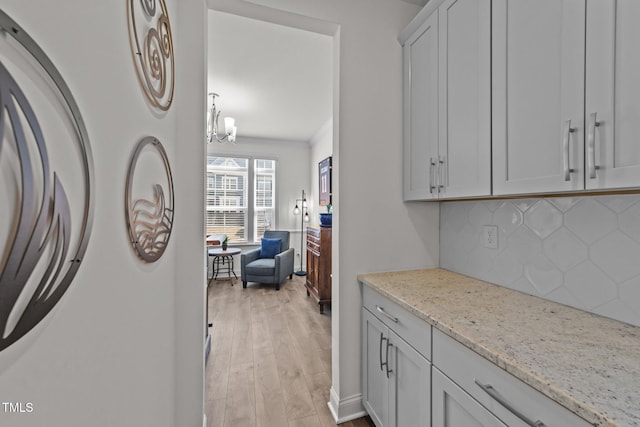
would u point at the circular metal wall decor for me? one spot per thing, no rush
(46, 184)
(152, 50)
(150, 217)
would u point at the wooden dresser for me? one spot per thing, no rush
(319, 265)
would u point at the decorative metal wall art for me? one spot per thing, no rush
(152, 50)
(47, 220)
(149, 221)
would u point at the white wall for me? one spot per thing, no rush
(578, 251)
(367, 153)
(125, 344)
(292, 176)
(189, 291)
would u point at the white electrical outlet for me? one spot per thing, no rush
(490, 237)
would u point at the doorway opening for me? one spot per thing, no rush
(276, 74)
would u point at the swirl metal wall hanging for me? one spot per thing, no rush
(47, 228)
(150, 219)
(152, 50)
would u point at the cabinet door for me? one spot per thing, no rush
(453, 407)
(538, 95)
(464, 47)
(313, 272)
(421, 111)
(409, 387)
(375, 385)
(613, 94)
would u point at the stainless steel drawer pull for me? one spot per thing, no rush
(380, 351)
(591, 145)
(387, 361)
(390, 317)
(432, 179)
(488, 388)
(440, 174)
(568, 130)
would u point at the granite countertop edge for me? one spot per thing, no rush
(515, 367)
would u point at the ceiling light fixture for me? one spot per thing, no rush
(212, 124)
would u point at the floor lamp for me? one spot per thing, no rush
(303, 218)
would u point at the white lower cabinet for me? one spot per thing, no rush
(409, 391)
(375, 390)
(510, 400)
(453, 407)
(396, 377)
(416, 376)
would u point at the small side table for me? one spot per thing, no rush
(226, 259)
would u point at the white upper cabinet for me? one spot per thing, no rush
(538, 96)
(464, 148)
(421, 111)
(509, 97)
(613, 94)
(566, 95)
(447, 102)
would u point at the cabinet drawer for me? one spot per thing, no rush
(412, 329)
(472, 372)
(313, 233)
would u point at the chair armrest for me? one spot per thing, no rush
(284, 264)
(246, 258)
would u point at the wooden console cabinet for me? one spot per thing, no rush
(319, 264)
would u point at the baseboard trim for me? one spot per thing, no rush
(346, 409)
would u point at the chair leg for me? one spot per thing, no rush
(244, 283)
(291, 276)
(277, 286)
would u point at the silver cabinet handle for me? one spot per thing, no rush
(440, 174)
(591, 145)
(380, 351)
(387, 358)
(386, 362)
(567, 131)
(488, 388)
(390, 317)
(432, 177)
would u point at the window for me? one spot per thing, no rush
(237, 206)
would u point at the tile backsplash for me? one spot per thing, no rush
(579, 251)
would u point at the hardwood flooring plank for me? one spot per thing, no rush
(240, 408)
(311, 421)
(319, 385)
(270, 406)
(242, 344)
(309, 352)
(215, 412)
(297, 398)
(217, 376)
(260, 329)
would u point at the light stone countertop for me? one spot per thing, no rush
(587, 363)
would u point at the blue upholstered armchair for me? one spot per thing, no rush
(257, 265)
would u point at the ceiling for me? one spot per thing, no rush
(276, 81)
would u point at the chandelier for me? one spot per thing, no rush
(230, 128)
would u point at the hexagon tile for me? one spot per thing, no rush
(579, 251)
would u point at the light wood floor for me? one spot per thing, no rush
(270, 361)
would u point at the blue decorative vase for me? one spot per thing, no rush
(326, 219)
